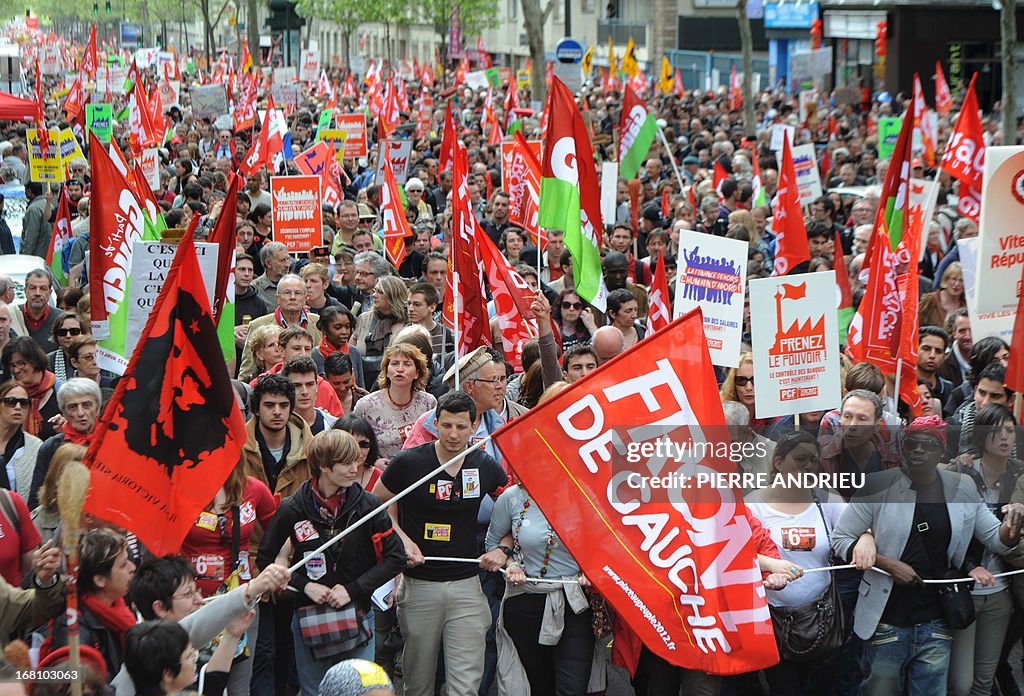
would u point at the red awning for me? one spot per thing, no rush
(14, 108)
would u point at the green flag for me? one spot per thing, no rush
(637, 131)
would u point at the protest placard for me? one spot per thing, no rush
(44, 168)
(209, 101)
(296, 212)
(310, 66)
(888, 132)
(354, 126)
(99, 119)
(712, 272)
(795, 336)
(808, 180)
(398, 153)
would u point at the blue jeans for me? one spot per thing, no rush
(911, 659)
(312, 670)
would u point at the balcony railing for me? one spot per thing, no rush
(621, 30)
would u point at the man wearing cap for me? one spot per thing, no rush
(690, 167)
(929, 516)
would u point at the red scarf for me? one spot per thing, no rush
(303, 318)
(330, 505)
(34, 419)
(327, 348)
(117, 616)
(74, 437)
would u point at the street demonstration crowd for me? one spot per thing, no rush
(345, 373)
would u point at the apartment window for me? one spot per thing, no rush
(513, 9)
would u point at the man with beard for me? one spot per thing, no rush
(37, 311)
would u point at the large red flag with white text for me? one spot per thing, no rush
(512, 299)
(677, 564)
(964, 157)
(659, 305)
(524, 190)
(394, 225)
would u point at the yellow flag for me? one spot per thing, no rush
(629, 64)
(588, 60)
(666, 75)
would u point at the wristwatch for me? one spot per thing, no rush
(505, 550)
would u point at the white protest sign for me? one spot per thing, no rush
(209, 101)
(808, 180)
(780, 131)
(286, 74)
(1001, 234)
(923, 194)
(285, 93)
(477, 79)
(398, 153)
(712, 272)
(150, 164)
(150, 263)
(999, 324)
(310, 66)
(609, 190)
(795, 336)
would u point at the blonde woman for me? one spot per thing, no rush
(266, 351)
(937, 306)
(739, 386)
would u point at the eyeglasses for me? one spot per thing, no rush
(743, 381)
(69, 332)
(363, 444)
(493, 382)
(572, 305)
(12, 401)
(188, 593)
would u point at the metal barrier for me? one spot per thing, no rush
(621, 31)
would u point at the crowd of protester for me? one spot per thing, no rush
(346, 374)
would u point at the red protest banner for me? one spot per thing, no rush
(296, 212)
(506, 159)
(354, 126)
(676, 564)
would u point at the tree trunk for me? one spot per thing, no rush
(144, 19)
(1009, 49)
(747, 46)
(252, 31)
(533, 21)
(204, 7)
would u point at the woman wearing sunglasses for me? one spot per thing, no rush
(17, 447)
(371, 461)
(65, 328)
(574, 318)
(739, 386)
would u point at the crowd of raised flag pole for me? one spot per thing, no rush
(155, 484)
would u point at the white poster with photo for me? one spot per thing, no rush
(808, 179)
(712, 273)
(1001, 235)
(398, 153)
(795, 336)
(209, 101)
(150, 263)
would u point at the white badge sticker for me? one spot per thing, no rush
(244, 569)
(316, 566)
(247, 513)
(470, 483)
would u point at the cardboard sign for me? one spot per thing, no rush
(296, 212)
(780, 131)
(808, 179)
(150, 263)
(209, 101)
(712, 274)
(888, 132)
(69, 148)
(609, 190)
(334, 138)
(506, 158)
(398, 153)
(150, 164)
(99, 118)
(310, 66)
(285, 93)
(48, 168)
(354, 126)
(1000, 238)
(795, 336)
(50, 59)
(116, 76)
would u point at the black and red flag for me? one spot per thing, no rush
(172, 431)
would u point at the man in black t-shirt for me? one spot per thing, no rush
(442, 602)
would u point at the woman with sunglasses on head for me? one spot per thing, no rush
(574, 318)
(739, 386)
(66, 326)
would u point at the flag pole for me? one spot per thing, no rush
(384, 506)
(455, 324)
(671, 157)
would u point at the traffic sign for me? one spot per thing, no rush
(569, 51)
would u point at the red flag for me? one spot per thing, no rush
(1015, 368)
(512, 298)
(449, 141)
(659, 311)
(172, 432)
(465, 275)
(718, 175)
(794, 292)
(922, 124)
(680, 571)
(391, 110)
(943, 99)
(61, 230)
(678, 87)
(791, 246)
(244, 116)
(494, 136)
(394, 225)
(259, 153)
(426, 112)
(74, 102)
(349, 90)
(89, 60)
(225, 235)
(524, 190)
(965, 155)
(735, 91)
(115, 224)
